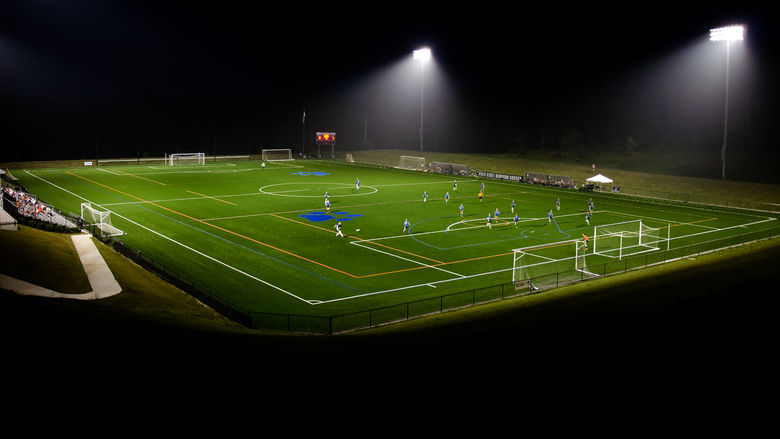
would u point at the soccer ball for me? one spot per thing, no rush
(357, 230)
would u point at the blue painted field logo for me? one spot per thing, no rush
(317, 173)
(324, 216)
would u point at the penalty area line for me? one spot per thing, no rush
(211, 258)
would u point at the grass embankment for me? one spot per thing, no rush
(630, 180)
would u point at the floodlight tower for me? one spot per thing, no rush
(727, 34)
(422, 55)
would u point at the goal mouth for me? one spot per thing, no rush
(101, 219)
(628, 238)
(550, 265)
(276, 154)
(411, 163)
(185, 158)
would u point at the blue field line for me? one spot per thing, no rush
(219, 237)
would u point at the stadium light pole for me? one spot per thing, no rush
(422, 55)
(727, 34)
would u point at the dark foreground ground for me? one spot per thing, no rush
(714, 317)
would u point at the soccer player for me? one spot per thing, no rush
(482, 187)
(357, 183)
(585, 238)
(513, 206)
(558, 204)
(496, 215)
(447, 198)
(406, 225)
(587, 218)
(549, 217)
(326, 195)
(454, 186)
(517, 220)
(263, 165)
(480, 196)
(461, 210)
(590, 205)
(338, 229)
(489, 222)
(425, 196)
(327, 205)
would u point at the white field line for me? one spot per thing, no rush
(211, 258)
(488, 273)
(107, 171)
(429, 284)
(359, 244)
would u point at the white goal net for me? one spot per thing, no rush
(412, 163)
(628, 238)
(99, 218)
(276, 154)
(188, 158)
(550, 265)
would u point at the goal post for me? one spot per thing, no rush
(550, 265)
(185, 158)
(411, 163)
(100, 219)
(276, 154)
(627, 238)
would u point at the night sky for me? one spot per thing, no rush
(81, 78)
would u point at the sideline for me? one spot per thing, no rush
(100, 277)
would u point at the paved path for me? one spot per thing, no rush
(100, 277)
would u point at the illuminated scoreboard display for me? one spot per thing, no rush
(326, 138)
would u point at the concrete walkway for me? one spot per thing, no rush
(100, 277)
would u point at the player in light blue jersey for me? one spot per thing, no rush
(517, 220)
(327, 205)
(406, 225)
(447, 198)
(461, 210)
(495, 214)
(549, 217)
(357, 184)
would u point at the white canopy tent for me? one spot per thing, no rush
(599, 180)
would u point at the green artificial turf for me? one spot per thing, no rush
(263, 241)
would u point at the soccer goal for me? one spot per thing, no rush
(187, 158)
(628, 238)
(411, 163)
(99, 218)
(550, 265)
(276, 154)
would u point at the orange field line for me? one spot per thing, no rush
(142, 178)
(213, 198)
(358, 238)
(214, 226)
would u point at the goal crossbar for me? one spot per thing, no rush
(276, 154)
(185, 158)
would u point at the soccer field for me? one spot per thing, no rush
(263, 241)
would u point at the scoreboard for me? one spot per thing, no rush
(324, 138)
